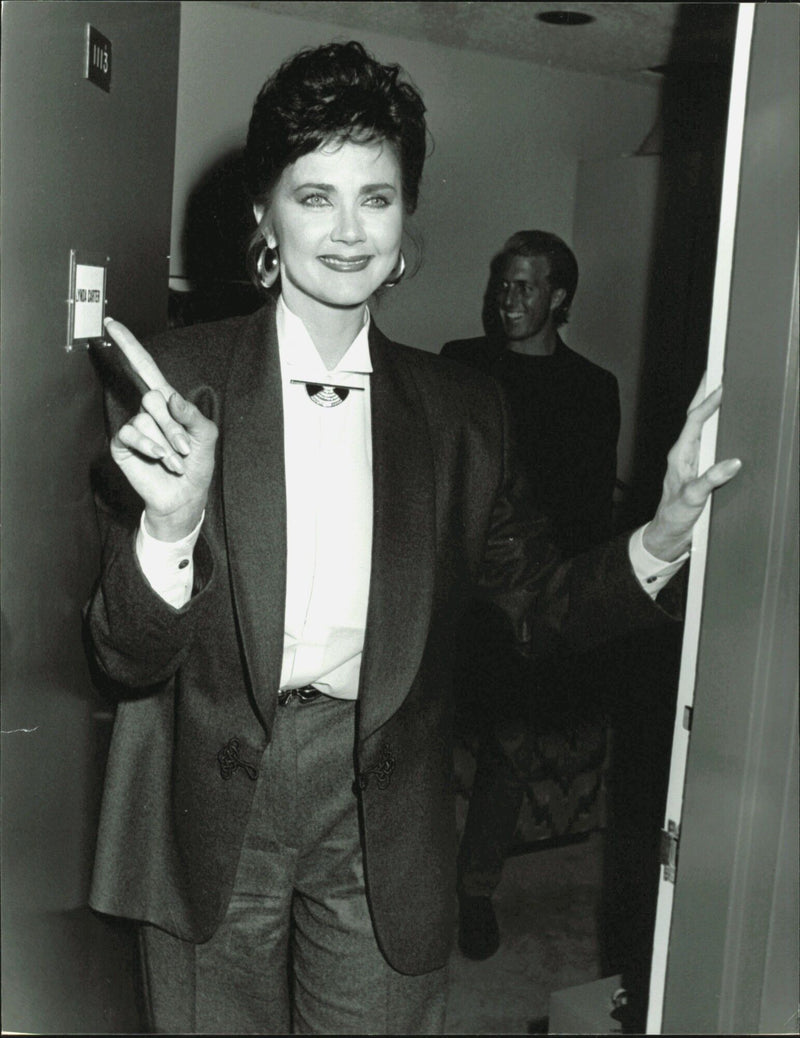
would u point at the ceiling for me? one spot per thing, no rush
(624, 41)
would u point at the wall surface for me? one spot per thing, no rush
(507, 140)
(88, 170)
(614, 235)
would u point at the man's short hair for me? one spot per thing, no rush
(560, 257)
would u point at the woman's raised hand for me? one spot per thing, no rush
(685, 493)
(166, 451)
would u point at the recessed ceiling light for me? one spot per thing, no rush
(565, 17)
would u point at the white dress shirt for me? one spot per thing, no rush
(328, 454)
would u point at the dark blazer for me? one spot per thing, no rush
(197, 686)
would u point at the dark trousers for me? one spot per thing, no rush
(503, 764)
(527, 721)
(296, 952)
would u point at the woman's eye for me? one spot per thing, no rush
(377, 202)
(314, 201)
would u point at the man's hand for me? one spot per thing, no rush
(684, 493)
(166, 451)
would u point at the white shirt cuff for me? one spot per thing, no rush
(652, 573)
(168, 565)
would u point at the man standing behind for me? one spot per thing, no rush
(564, 415)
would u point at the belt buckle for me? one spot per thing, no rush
(307, 694)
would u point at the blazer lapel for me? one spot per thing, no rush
(403, 539)
(254, 502)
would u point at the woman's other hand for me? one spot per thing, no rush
(685, 493)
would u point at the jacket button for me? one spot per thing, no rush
(382, 770)
(229, 761)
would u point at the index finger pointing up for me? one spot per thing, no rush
(138, 357)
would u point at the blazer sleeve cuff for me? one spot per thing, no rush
(139, 639)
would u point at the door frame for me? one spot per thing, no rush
(723, 928)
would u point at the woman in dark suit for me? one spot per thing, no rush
(315, 506)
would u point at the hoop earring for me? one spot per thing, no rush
(267, 266)
(396, 275)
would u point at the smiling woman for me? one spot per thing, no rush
(278, 620)
(326, 97)
(335, 222)
(330, 184)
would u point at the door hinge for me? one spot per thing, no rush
(669, 850)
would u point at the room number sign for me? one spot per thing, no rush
(98, 59)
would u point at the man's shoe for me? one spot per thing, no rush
(478, 932)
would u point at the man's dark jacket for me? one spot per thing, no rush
(564, 414)
(564, 417)
(197, 686)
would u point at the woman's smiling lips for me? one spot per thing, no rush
(345, 265)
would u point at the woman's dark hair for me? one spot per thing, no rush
(336, 92)
(560, 257)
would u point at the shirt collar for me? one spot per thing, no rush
(297, 349)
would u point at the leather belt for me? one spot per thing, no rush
(306, 694)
